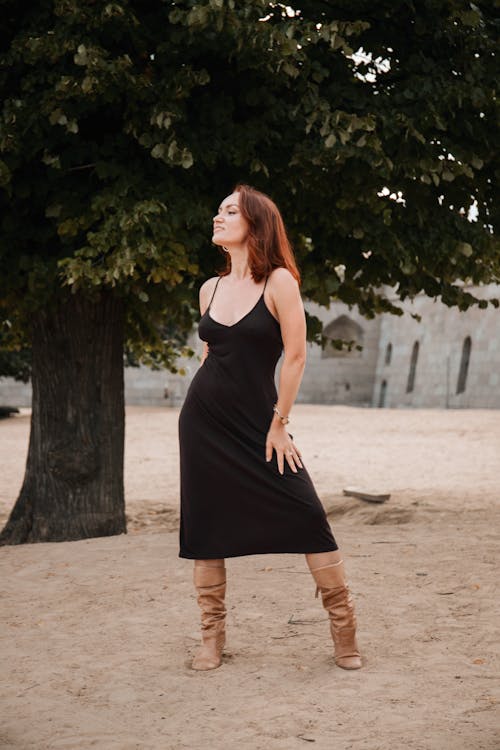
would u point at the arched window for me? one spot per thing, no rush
(346, 329)
(388, 354)
(383, 393)
(413, 368)
(464, 365)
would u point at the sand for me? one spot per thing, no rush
(97, 635)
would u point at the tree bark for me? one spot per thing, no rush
(73, 483)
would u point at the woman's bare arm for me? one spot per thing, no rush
(290, 309)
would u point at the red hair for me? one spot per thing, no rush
(268, 243)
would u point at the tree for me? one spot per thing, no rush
(123, 125)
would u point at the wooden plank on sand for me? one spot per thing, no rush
(370, 497)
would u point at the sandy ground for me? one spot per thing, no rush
(97, 635)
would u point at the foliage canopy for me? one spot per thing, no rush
(123, 124)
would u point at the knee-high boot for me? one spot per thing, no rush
(337, 601)
(210, 584)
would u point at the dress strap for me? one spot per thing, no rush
(265, 285)
(213, 293)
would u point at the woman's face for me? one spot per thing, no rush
(230, 228)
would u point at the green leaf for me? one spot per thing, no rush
(465, 249)
(80, 57)
(158, 151)
(5, 174)
(187, 160)
(57, 117)
(53, 212)
(88, 84)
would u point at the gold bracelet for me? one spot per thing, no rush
(283, 420)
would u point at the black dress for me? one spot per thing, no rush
(234, 502)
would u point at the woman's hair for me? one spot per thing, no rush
(268, 244)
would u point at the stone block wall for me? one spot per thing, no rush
(13, 393)
(441, 335)
(341, 377)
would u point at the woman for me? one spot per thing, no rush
(244, 488)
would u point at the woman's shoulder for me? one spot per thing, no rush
(282, 278)
(209, 284)
(206, 291)
(284, 290)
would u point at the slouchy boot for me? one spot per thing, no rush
(338, 603)
(210, 583)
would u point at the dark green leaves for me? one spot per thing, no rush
(374, 126)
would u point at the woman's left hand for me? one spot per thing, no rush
(279, 439)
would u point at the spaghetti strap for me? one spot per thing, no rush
(213, 293)
(265, 285)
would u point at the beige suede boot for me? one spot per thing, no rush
(337, 601)
(210, 583)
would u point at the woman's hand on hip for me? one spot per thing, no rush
(279, 440)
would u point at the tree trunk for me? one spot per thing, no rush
(73, 484)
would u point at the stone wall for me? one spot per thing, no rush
(442, 337)
(341, 377)
(13, 393)
(145, 387)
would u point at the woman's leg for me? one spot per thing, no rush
(327, 569)
(209, 578)
(317, 559)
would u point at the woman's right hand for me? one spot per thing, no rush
(278, 439)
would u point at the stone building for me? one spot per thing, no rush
(450, 359)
